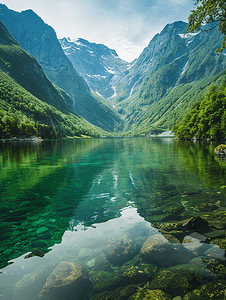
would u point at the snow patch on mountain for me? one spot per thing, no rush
(184, 68)
(188, 35)
(109, 70)
(115, 94)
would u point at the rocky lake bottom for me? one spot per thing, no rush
(114, 219)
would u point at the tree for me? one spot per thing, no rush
(209, 12)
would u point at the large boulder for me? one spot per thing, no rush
(121, 249)
(158, 250)
(67, 281)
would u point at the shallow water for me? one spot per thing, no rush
(81, 200)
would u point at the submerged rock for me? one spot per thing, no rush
(31, 284)
(215, 252)
(213, 290)
(103, 280)
(158, 250)
(93, 259)
(150, 294)
(118, 294)
(193, 243)
(135, 271)
(195, 223)
(36, 252)
(179, 280)
(67, 281)
(121, 249)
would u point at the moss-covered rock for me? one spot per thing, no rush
(147, 294)
(171, 229)
(136, 271)
(220, 242)
(217, 267)
(103, 280)
(121, 249)
(217, 220)
(196, 223)
(179, 280)
(213, 290)
(118, 294)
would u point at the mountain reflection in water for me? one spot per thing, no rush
(113, 209)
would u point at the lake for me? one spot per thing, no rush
(123, 218)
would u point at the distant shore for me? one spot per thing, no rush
(22, 139)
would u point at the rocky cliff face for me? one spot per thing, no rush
(178, 52)
(172, 73)
(39, 39)
(26, 70)
(97, 64)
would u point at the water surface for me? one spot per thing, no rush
(73, 200)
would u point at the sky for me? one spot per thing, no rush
(126, 26)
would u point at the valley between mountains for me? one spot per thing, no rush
(56, 88)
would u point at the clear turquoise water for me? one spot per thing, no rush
(69, 197)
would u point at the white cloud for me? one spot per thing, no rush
(124, 25)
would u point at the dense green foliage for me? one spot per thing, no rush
(207, 119)
(209, 11)
(21, 114)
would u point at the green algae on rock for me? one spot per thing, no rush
(118, 294)
(103, 280)
(180, 279)
(121, 249)
(136, 271)
(213, 290)
(133, 272)
(147, 294)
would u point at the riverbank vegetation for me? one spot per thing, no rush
(207, 119)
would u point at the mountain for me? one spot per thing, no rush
(30, 104)
(100, 66)
(40, 40)
(173, 72)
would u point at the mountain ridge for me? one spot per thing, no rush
(99, 65)
(40, 40)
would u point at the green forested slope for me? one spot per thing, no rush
(29, 103)
(21, 113)
(207, 119)
(181, 70)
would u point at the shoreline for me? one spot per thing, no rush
(25, 139)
